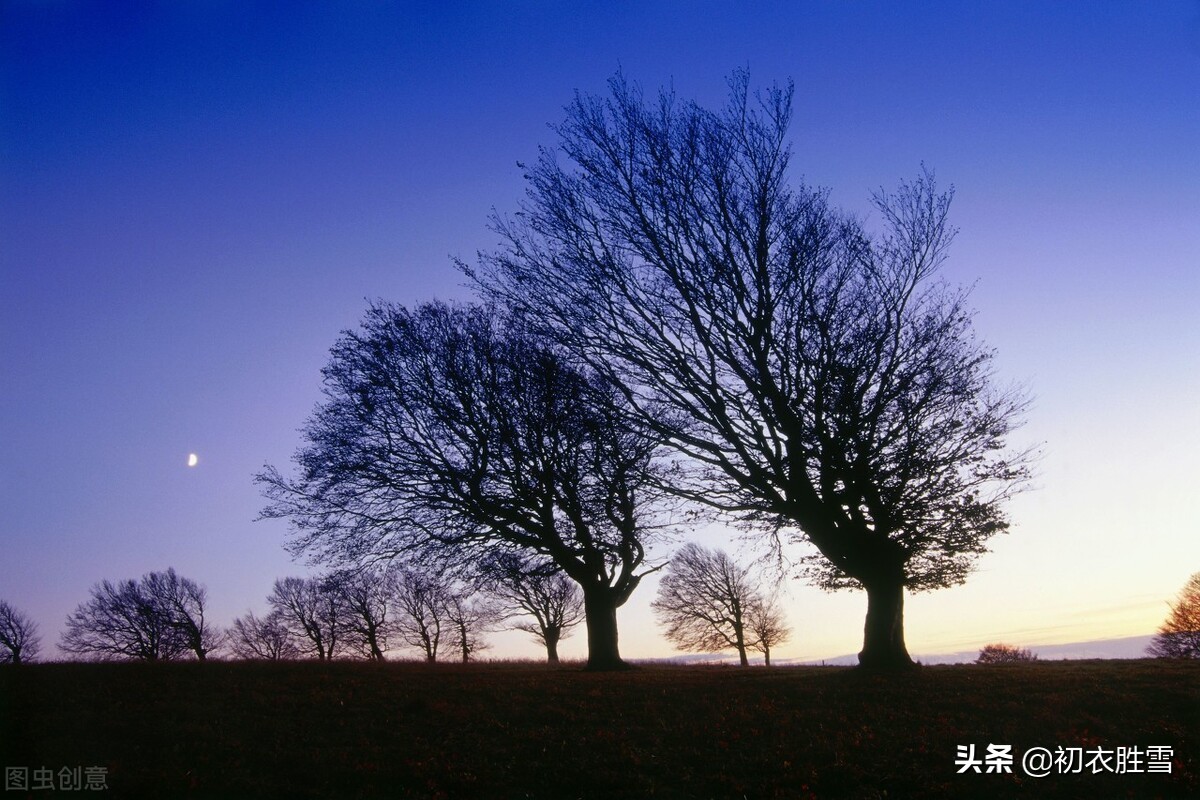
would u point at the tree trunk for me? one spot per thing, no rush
(373, 642)
(766, 655)
(883, 636)
(551, 640)
(600, 611)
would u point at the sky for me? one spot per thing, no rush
(197, 197)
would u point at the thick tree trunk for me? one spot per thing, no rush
(551, 639)
(766, 656)
(883, 636)
(600, 611)
(373, 642)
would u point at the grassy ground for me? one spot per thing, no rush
(529, 731)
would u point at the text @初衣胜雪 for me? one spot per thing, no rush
(1039, 762)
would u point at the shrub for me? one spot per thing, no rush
(1003, 654)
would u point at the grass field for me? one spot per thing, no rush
(345, 730)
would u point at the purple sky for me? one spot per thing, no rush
(196, 197)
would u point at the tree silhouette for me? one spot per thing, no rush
(819, 379)
(451, 433)
(538, 589)
(159, 617)
(368, 605)
(767, 625)
(1004, 654)
(469, 616)
(421, 620)
(265, 638)
(1179, 635)
(182, 601)
(704, 600)
(19, 640)
(312, 612)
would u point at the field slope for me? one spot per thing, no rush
(347, 730)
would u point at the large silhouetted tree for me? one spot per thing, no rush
(537, 588)
(704, 601)
(19, 640)
(452, 431)
(1179, 635)
(159, 617)
(821, 380)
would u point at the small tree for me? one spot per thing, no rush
(535, 587)
(469, 616)
(266, 638)
(311, 610)
(767, 625)
(368, 603)
(704, 600)
(421, 601)
(19, 640)
(1004, 654)
(1179, 635)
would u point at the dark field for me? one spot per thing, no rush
(529, 731)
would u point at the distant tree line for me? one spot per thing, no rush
(367, 613)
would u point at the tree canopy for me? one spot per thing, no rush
(452, 434)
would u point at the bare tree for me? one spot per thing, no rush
(704, 600)
(311, 610)
(19, 640)
(1179, 635)
(266, 638)
(451, 430)
(819, 379)
(421, 615)
(1004, 654)
(469, 616)
(537, 588)
(368, 603)
(182, 601)
(767, 625)
(123, 620)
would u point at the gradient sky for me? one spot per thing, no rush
(196, 197)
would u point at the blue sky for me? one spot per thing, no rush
(196, 197)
